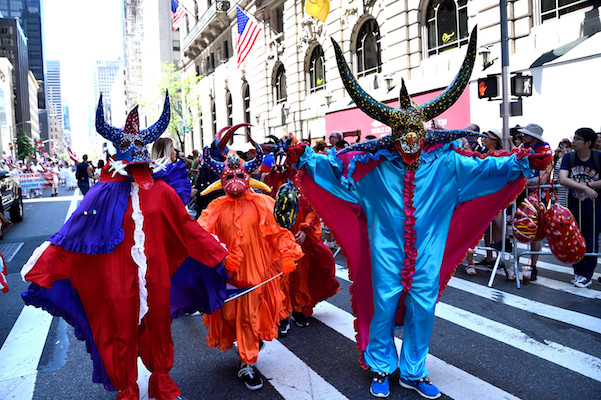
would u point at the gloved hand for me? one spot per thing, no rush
(295, 152)
(288, 265)
(540, 161)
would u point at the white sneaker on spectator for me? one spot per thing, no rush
(577, 278)
(583, 283)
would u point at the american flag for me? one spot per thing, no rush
(72, 155)
(248, 31)
(177, 12)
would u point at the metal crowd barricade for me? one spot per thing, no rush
(517, 254)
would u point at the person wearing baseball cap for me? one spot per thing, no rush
(493, 140)
(533, 138)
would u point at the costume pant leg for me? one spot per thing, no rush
(156, 344)
(416, 339)
(381, 353)
(109, 294)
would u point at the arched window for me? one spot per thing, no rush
(214, 118)
(556, 8)
(368, 51)
(317, 70)
(447, 25)
(280, 85)
(229, 108)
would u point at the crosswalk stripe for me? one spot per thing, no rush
(559, 314)
(556, 353)
(564, 356)
(291, 377)
(21, 352)
(449, 379)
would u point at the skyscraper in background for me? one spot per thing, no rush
(53, 89)
(29, 13)
(105, 75)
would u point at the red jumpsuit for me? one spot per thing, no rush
(111, 288)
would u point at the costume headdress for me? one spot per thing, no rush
(234, 172)
(407, 121)
(130, 142)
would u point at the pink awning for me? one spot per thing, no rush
(354, 120)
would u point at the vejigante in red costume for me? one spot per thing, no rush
(108, 270)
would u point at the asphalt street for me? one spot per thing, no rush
(542, 341)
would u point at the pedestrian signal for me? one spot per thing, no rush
(488, 87)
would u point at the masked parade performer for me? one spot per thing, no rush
(314, 278)
(259, 250)
(420, 202)
(107, 271)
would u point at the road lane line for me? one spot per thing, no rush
(580, 320)
(291, 377)
(20, 354)
(556, 353)
(449, 379)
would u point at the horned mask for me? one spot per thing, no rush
(408, 135)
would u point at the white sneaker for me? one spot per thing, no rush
(470, 270)
(577, 278)
(583, 283)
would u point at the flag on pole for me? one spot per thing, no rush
(72, 155)
(248, 31)
(318, 9)
(177, 12)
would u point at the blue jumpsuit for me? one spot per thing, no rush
(444, 179)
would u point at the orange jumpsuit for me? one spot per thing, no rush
(259, 249)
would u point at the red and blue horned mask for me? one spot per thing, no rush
(130, 142)
(234, 172)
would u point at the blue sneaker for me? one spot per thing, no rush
(423, 386)
(379, 385)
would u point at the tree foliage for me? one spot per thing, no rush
(185, 101)
(24, 146)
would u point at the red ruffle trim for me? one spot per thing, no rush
(520, 152)
(410, 234)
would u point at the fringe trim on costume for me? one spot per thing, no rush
(137, 250)
(37, 253)
(410, 234)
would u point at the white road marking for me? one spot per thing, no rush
(559, 314)
(449, 379)
(20, 354)
(556, 353)
(291, 377)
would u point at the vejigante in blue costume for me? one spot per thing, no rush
(421, 202)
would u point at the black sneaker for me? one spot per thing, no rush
(284, 327)
(250, 377)
(300, 319)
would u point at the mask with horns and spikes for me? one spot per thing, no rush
(130, 142)
(234, 172)
(408, 135)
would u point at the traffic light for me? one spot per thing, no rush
(521, 85)
(488, 87)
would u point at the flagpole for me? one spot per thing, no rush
(252, 288)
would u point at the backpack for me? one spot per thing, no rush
(596, 154)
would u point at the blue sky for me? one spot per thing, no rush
(77, 33)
